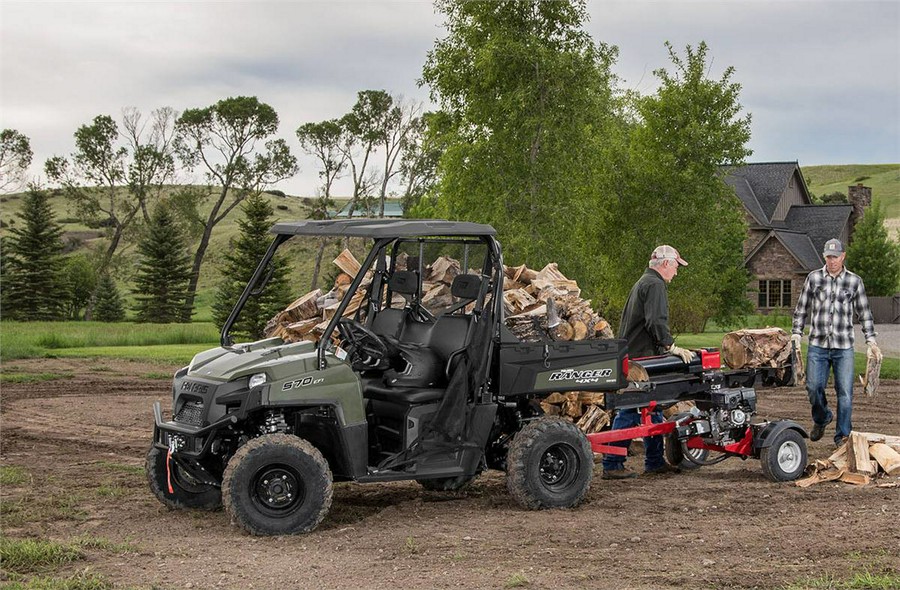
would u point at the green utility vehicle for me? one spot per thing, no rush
(390, 391)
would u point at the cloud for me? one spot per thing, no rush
(819, 77)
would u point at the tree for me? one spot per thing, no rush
(110, 180)
(108, 306)
(15, 158)
(243, 256)
(33, 288)
(873, 255)
(672, 192)
(163, 271)
(363, 127)
(222, 139)
(80, 278)
(418, 167)
(527, 98)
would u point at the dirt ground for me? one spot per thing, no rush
(82, 440)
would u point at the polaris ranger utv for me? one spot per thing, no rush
(391, 391)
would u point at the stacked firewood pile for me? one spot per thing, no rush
(864, 457)
(540, 305)
(584, 408)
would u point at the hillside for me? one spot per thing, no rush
(883, 178)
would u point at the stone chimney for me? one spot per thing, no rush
(860, 197)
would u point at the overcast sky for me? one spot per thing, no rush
(820, 78)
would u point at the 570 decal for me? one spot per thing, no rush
(589, 376)
(300, 383)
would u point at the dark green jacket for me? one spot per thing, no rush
(645, 319)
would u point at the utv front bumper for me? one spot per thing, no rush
(185, 439)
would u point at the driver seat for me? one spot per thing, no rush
(390, 321)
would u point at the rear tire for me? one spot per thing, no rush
(786, 458)
(277, 484)
(549, 465)
(186, 493)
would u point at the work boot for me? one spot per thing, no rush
(623, 473)
(818, 430)
(662, 470)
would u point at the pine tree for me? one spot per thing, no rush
(32, 263)
(243, 256)
(108, 306)
(163, 271)
(873, 256)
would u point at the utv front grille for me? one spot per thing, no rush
(190, 413)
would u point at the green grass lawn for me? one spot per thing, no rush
(884, 179)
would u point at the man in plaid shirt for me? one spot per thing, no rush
(830, 297)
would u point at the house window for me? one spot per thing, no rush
(775, 293)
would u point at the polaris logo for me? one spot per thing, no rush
(190, 387)
(580, 376)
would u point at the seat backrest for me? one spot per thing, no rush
(450, 333)
(390, 320)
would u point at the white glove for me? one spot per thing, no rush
(873, 352)
(795, 340)
(686, 355)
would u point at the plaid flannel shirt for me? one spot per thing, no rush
(829, 304)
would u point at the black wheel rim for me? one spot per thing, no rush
(278, 490)
(559, 467)
(181, 479)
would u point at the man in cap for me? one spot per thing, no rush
(645, 325)
(830, 297)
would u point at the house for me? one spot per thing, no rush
(787, 232)
(392, 208)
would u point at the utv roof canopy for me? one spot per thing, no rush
(383, 228)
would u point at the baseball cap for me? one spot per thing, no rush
(667, 253)
(833, 248)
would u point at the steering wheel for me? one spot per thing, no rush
(364, 348)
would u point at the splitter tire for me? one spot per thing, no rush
(549, 465)
(186, 491)
(277, 484)
(785, 459)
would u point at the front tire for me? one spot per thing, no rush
(277, 484)
(187, 493)
(785, 459)
(549, 465)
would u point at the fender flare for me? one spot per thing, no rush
(772, 429)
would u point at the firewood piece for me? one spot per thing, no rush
(304, 307)
(677, 408)
(579, 330)
(562, 332)
(571, 408)
(858, 454)
(298, 330)
(594, 419)
(347, 263)
(888, 458)
(515, 301)
(767, 347)
(443, 270)
(555, 398)
(437, 298)
(829, 474)
(343, 279)
(875, 437)
(551, 273)
(870, 380)
(637, 373)
(509, 284)
(550, 409)
(857, 479)
(839, 457)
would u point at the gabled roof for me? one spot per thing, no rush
(762, 186)
(821, 222)
(802, 248)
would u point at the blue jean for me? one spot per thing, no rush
(819, 362)
(653, 445)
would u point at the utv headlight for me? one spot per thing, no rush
(258, 379)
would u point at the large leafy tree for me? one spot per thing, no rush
(242, 258)
(163, 271)
(671, 191)
(873, 256)
(229, 142)
(527, 97)
(15, 158)
(114, 175)
(32, 284)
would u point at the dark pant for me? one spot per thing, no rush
(819, 363)
(653, 445)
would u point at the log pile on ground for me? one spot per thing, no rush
(584, 408)
(540, 305)
(864, 457)
(764, 347)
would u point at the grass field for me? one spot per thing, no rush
(884, 179)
